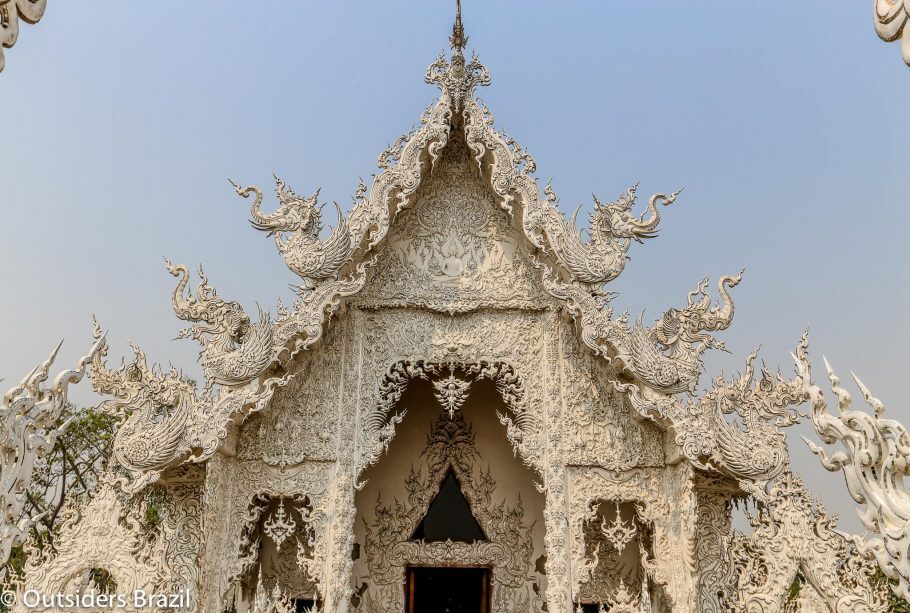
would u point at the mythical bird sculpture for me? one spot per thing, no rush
(153, 408)
(875, 461)
(751, 447)
(612, 230)
(754, 448)
(665, 357)
(311, 258)
(670, 351)
(30, 418)
(163, 421)
(236, 350)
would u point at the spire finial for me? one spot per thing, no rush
(458, 38)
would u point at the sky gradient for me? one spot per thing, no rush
(785, 121)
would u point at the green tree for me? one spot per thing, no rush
(69, 471)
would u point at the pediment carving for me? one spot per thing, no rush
(454, 249)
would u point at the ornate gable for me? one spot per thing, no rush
(454, 249)
(454, 222)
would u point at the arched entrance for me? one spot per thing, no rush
(449, 517)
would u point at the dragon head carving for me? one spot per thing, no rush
(295, 214)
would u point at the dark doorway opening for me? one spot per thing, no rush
(304, 605)
(449, 516)
(447, 590)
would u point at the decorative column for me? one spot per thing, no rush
(335, 584)
(714, 536)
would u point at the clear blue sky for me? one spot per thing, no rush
(787, 123)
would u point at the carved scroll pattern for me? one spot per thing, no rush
(232, 489)
(715, 566)
(481, 342)
(612, 552)
(792, 533)
(300, 422)
(454, 250)
(107, 532)
(600, 428)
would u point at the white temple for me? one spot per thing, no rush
(451, 417)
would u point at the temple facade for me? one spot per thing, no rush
(451, 417)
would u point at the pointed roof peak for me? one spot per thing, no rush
(455, 77)
(458, 40)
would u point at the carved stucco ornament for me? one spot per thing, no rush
(300, 218)
(30, 417)
(108, 533)
(623, 601)
(733, 431)
(612, 229)
(736, 426)
(336, 267)
(451, 392)
(891, 18)
(507, 546)
(11, 11)
(618, 532)
(875, 460)
(665, 357)
(279, 525)
(234, 349)
(163, 419)
(793, 534)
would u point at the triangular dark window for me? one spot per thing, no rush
(449, 516)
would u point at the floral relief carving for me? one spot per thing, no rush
(600, 426)
(454, 250)
(237, 493)
(665, 502)
(612, 553)
(476, 344)
(715, 566)
(300, 421)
